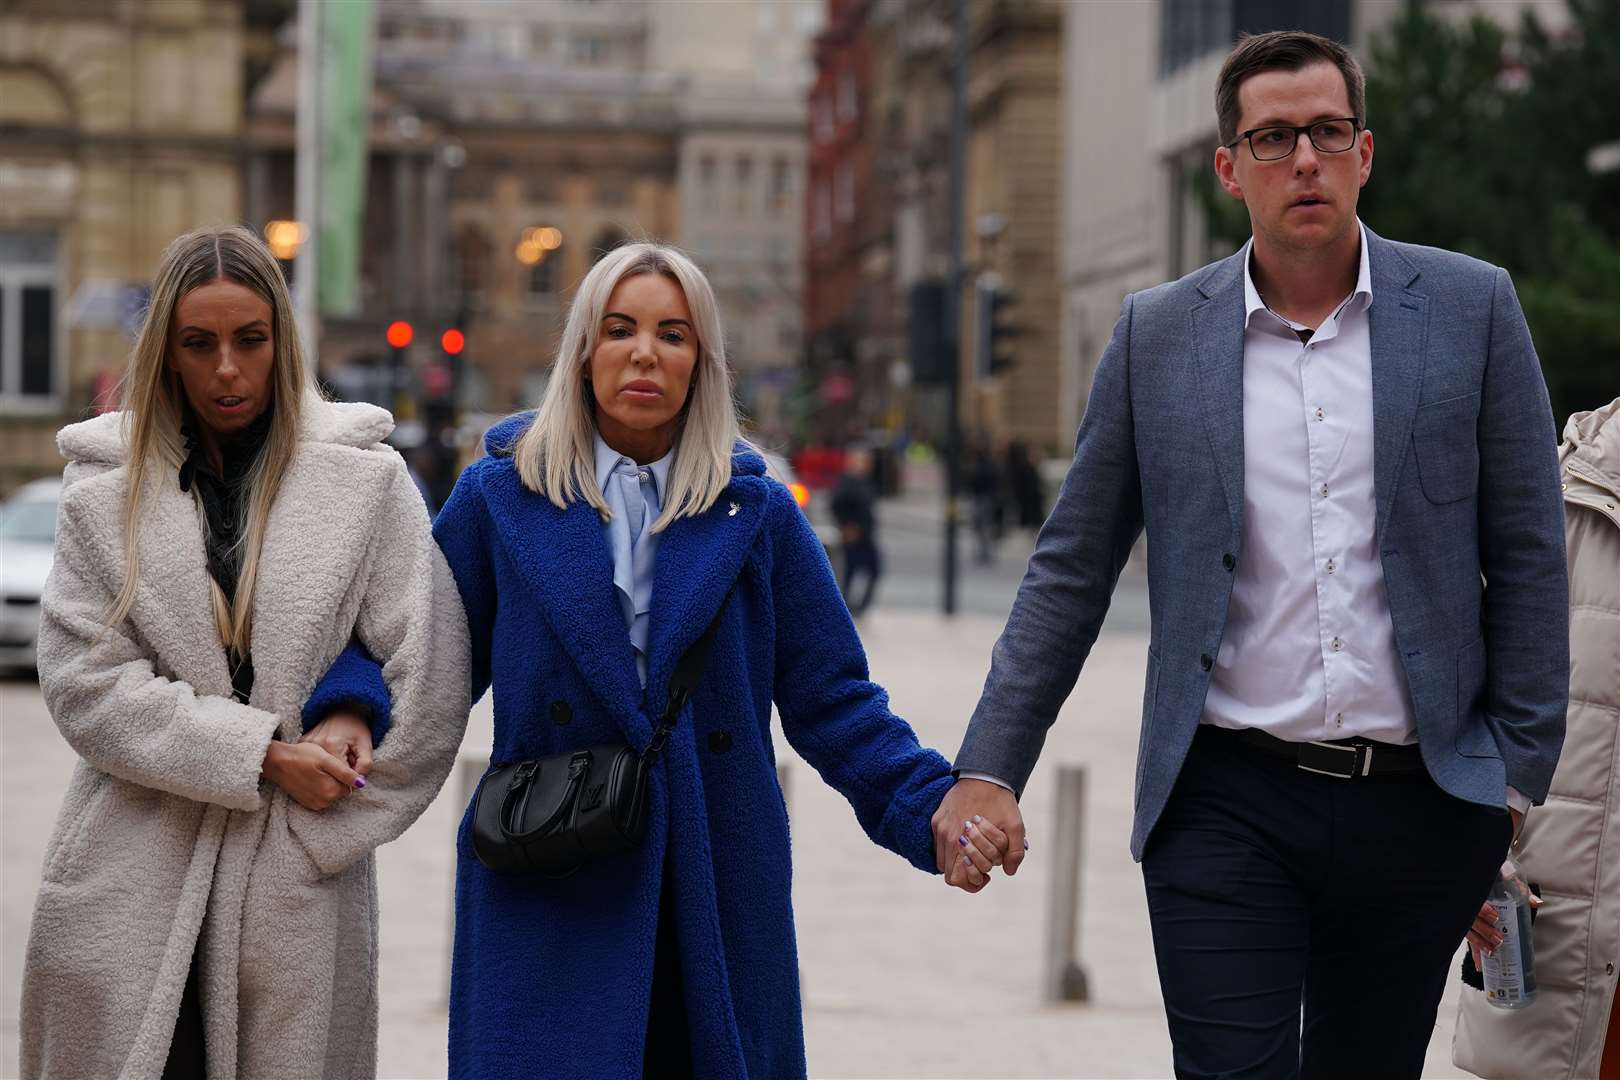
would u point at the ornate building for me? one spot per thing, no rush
(120, 127)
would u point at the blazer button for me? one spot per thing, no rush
(1205, 662)
(1228, 561)
(719, 741)
(560, 712)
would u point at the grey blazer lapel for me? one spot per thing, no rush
(1217, 329)
(1398, 324)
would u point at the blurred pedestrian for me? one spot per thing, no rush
(1342, 451)
(984, 484)
(220, 542)
(854, 510)
(1572, 1030)
(600, 542)
(1024, 486)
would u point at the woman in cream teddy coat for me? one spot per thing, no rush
(170, 843)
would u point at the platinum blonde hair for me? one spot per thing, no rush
(154, 403)
(556, 455)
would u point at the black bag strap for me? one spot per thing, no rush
(683, 682)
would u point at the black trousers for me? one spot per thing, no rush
(1303, 924)
(668, 1054)
(861, 560)
(188, 1059)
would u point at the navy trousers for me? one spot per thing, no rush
(1304, 925)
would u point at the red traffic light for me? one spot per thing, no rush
(399, 333)
(453, 341)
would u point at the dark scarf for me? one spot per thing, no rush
(222, 493)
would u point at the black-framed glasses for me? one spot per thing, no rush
(1276, 143)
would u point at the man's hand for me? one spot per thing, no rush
(995, 839)
(346, 737)
(309, 774)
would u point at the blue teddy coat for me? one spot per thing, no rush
(552, 978)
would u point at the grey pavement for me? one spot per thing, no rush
(902, 976)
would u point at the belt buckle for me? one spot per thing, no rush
(1360, 763)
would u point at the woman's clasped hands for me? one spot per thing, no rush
(331, 760)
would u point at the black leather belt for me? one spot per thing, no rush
(1346, 759)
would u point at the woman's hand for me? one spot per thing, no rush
(309, 774)
(346, 737)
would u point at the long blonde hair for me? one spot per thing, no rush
(154, 404)
(556, 455)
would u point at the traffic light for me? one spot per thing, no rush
(995, 333)
(399, 335)
(925, 325)
(453, 341)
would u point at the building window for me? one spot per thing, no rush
(1189, 30)
(844, 191)
(28, 326)
(822, 109)
(474, 253)
(781, 185)
(743, 195)
(545, 276)
(708, 184)
(590, 49)
(848, 100)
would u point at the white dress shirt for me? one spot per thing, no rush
(1309, 648)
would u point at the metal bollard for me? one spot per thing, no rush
(1064, 979)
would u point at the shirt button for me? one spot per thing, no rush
(1205, 662)
(1330, 566)
(1228, 561)
(1338, 719)
(1338, 645)
(643, 476)
(1320, 415)
(1324, 491)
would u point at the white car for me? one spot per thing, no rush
(27, 535)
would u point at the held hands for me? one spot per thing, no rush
(967, 840)
(327, 763)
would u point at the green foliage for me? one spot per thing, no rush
(1481, 140)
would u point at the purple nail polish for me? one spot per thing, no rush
(962, 840)
(977, 819)
(359, 781)
(1026, 845)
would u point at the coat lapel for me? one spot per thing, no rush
(698, 560)
(563, 557)
(173, 608)
(1217, 327)
(1397, 327)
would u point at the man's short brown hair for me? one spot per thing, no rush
(1283, 50)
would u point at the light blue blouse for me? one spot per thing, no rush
(633, 496)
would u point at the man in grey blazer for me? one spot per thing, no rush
(1343, 455)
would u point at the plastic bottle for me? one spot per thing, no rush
(1510, 970)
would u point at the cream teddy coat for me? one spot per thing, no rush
(168, 841)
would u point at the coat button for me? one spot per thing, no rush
(1205, 662)
(719, 741)
(1228, 561)
(1608, 969)
(560, 712)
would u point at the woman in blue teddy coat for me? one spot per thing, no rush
(594, 544)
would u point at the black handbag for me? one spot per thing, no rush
(552, 815)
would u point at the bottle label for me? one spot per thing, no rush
(1504, 968)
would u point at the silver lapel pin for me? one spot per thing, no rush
(733, 511)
